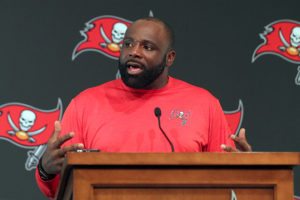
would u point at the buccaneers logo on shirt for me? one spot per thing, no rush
(28, 127)
(234, 118)
(181, 115)
(281, 38)
(104, 35)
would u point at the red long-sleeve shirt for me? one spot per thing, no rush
(115, 118)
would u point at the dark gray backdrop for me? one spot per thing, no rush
(215, 41)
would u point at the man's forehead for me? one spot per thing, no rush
(143, 30)
(146, 27)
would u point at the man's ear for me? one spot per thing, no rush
(170, 57)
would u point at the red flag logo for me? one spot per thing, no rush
(235, 118)
(104, 35)
(281, 38)
(27, 126)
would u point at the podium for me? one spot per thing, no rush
(182, 176)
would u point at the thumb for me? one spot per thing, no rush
(228, 148)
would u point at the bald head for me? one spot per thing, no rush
(167, 28)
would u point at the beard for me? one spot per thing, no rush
(145, 78)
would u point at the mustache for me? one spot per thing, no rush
(132, 61)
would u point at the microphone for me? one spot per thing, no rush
(157, 112)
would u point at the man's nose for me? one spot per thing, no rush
(135, 51)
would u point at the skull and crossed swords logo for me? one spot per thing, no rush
(281, 38)
(181, 115)
(26, 122)
(117, 35)
(293, 48)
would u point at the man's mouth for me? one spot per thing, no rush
(134, 68)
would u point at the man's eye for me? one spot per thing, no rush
(148, 47)
(127, 44)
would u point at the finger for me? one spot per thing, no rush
(62, 139)
(72, 147)
(57, 154)
(228, 148)
(240, 137)
(59, 161)
(57, 129)
(242, 133)
(245, 145)
(241, 141)
(56, 132)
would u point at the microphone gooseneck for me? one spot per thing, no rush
(157, 112)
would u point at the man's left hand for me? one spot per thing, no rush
(240, 141)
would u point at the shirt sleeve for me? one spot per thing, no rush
(48, 188)
(219, 131)
(69, 123)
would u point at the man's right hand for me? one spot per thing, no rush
(54, 155)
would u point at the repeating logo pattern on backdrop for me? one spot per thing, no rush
(28, 127)
(281, 38)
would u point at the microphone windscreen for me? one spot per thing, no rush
(157, 112)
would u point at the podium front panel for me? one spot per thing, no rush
(184, 184)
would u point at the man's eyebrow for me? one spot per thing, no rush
(144, 41)
(148, 41)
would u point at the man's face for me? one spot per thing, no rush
(143, 55)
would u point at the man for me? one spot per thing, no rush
(124, 115)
